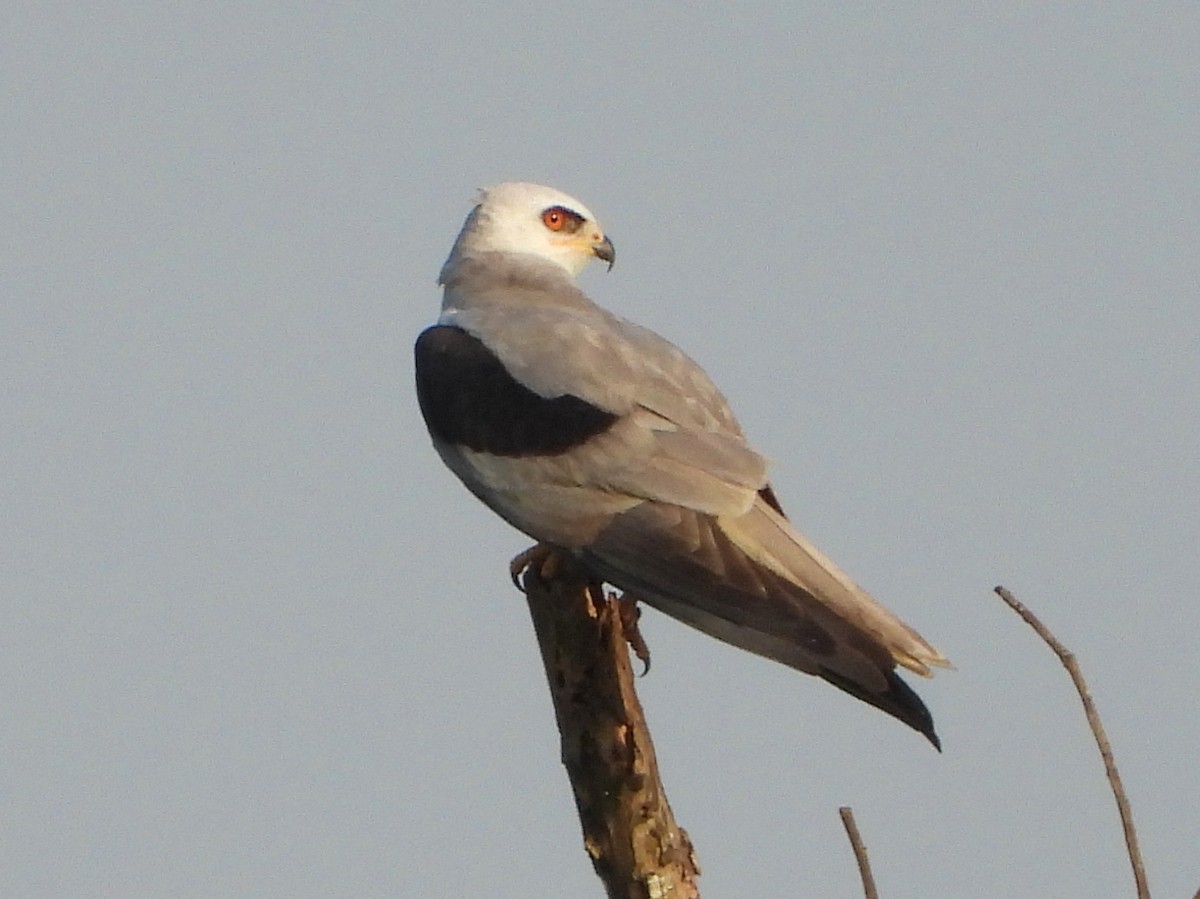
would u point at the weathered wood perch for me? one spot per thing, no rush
(637, 849)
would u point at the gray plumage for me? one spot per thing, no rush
(599, 437)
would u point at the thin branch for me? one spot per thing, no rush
(1093, 717)
(860, 852)
(637, 849)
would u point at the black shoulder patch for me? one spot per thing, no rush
(468, 398)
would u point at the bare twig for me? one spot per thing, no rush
(860, 852)
(637, 849)
(1093, 717)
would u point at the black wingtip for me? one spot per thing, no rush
(899, 700)
(933, 738)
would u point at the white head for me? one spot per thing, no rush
(519, 217)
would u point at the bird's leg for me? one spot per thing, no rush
(627, 608)
(545, 562)
(541, 557)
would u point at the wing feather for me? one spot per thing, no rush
(627, 454)
(676, 440)
(686, 564)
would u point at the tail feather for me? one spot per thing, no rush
(900, 701)
(732, 581)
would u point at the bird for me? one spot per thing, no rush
(601, 439)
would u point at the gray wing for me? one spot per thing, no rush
(674, 438)
(668, 501)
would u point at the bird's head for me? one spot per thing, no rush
(519, 217)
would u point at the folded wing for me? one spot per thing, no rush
(624, 453)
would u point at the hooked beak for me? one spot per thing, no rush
(604, 250)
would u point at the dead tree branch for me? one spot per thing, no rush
(1093, 717)
(637, 849)
(860, 852)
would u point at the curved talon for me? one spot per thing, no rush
(539, 557)
(515, 576)
(515, 569)
(627, 604)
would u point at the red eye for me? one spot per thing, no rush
(558, 218)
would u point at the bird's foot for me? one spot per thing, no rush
(627, 608)
(541, 558)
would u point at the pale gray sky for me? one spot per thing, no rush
(943, 260)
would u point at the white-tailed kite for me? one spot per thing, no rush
(600, 438)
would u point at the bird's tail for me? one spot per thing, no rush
(752, 581)
(765, 535)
